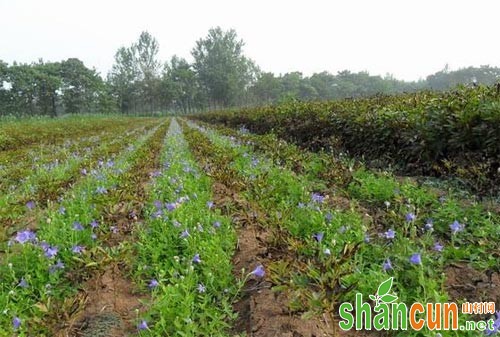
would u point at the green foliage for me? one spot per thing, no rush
(439, 134)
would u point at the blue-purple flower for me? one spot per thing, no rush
(438, 247)
(62, 210)
(153, 284)
(318, 236)
(316, 197)
(25, 236)
(56, 266)
(210, 204)
(77, 249)
(16, 323)
(158, 204)
(216, 224)
(101, 190)
(496, 326)
(170, 206)
(197, 259)
(143, 325)
(390, 234)
(77, 226)
(50, 251)
(184, 234)
(30, 205)
(23, 283)
(259, 271)
(94, 224)
(201, 288)
(410, 217)
(387, 265)
(416, 258)
(456, 227)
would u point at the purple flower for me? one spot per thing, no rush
(496, 326)
(456, 227)
(110, 163)
(438, 247)
(410, 217)
(153, 284)
(316, 197)
(390, 234)
(158, 204)
(176, 223)
(429, 226)
(23, 283)
(16, 323)
(201, 288)
(30, 205)
(25, 236)
(77, 226)
(143, 325)
(210, 204)
(94, 224)
(416, 259)
(77, 249)
(387, 265)
(113, 229)
(301, 205)
(50, 251)
(170, 206)
(155, 174)
(93, 236)
(328, 217)
(101, 190)
(318, 236)
(367, 238)
(196, 258)
(216, 224)
(62, 210)
(184, 234)
(342, 229)
(54, 267)
(259, 271)
(157, 215)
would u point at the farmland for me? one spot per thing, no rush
(256, 222)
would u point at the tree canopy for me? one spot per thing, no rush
(219, 76)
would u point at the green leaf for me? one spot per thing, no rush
(373, 298)
(385, 287)
(388, 298)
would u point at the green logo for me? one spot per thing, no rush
(382, 295)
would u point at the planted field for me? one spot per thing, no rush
(169, 227)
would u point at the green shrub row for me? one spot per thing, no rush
(455, 133)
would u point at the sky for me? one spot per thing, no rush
(408, 39)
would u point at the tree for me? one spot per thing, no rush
(135, 75)
(222, 69)
(181, 84)
(81, 87)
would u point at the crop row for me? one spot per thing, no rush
(184, 250)
(42, 267)
(336, 250)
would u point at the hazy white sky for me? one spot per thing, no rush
(409, 39)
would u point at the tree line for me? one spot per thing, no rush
(219, 76)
